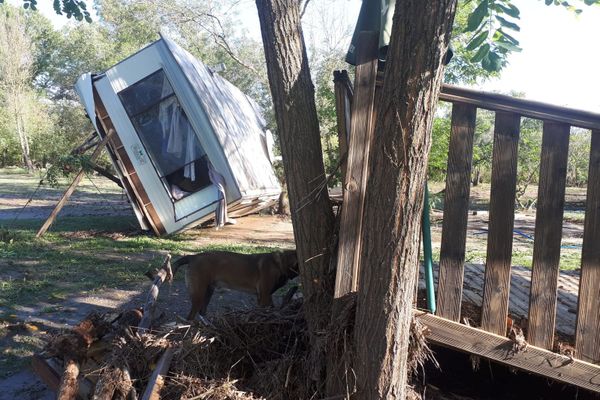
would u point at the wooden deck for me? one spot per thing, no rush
(520, 286)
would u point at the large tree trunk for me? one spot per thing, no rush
(394, 201)
(298, 127)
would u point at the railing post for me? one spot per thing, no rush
(548, 234)
(587, 333)
(456, 208)
(502, 217)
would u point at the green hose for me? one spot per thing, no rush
(427, 254)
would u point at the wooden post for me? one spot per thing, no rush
(157, 380)
(361, 129)
(548, 234)
(456, 208)
(68, 384)
(150, 306)
(343, 106)
(71, 188)
(46, 372)
(587, 334)
(502, 216)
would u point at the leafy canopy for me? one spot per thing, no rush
(493, 24)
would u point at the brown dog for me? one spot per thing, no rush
(262, 274)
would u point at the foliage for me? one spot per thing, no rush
(578, 163)
(492, 26)
(65, 166)
(528, 164)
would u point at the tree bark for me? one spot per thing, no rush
(413, 78)
(298, 127)
(20, 126)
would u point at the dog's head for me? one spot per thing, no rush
(289, 263)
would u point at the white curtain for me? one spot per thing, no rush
(178, 135)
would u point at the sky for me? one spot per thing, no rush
(559, 57)
(557, 64)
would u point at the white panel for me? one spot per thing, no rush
(84, 89)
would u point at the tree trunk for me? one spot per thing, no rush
(24, 141)
(413, 77)
(298, 127)
(283, 206)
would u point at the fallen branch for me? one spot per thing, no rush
(150, 307)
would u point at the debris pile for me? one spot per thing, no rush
(240, 355)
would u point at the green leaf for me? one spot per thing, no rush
(548, 2)
(477, 16)
(510, 10)
(26, 6)
(508, 46)
(481, 53)
(492, 62)
(477, 41)
(56, 6)
(508, 24)
(509, 37)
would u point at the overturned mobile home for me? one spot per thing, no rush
(185, 142)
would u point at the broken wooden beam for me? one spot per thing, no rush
(46, 372)
(501, 349)
(157, 380)
(361, 133)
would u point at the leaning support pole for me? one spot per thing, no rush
(63, 200)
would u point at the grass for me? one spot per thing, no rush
(60, 263)
(80, 255)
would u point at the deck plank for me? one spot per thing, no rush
(520, 283)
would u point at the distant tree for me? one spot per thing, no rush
(578, 163)
(16, 63)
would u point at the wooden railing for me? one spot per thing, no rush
(557, 122)
(509, 111)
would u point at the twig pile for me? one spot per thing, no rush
(241, 355)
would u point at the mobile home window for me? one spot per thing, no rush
(167, 135)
